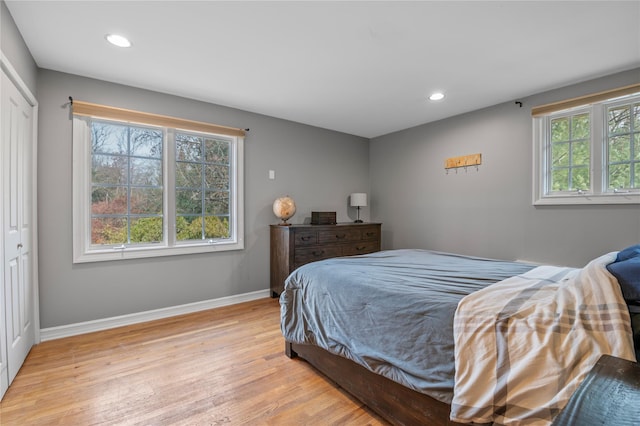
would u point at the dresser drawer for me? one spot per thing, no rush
(311, 254)
(305, 238)
(363, 247)
(339, 236)
(370, 233)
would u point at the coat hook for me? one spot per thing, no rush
(519, 104)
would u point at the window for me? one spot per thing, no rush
(147, 185)
(587, 150)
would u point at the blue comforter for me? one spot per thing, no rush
(390, 311)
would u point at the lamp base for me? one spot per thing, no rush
(358, 216)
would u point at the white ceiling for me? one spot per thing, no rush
(360, 67)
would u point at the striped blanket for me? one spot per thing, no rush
(523, 345)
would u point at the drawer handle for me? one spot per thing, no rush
(318, 253)
(361, 248)
(307, 238)
(370, 234)
(341, 236)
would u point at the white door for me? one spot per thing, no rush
(17, 307)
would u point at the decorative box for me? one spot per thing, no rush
(323, 218)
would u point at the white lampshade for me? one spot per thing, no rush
(358, 199)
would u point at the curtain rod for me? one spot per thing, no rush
(87, 108)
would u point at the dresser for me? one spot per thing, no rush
(295, 245)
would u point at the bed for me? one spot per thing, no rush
(418, 335)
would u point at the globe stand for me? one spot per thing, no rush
(284, 223)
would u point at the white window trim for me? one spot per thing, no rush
(83, 252)
(598, 194)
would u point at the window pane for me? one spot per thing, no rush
(146, 201)
(192, 186)
(109, 138)
(109, 169)
(188, 202)
(636, 180)
(580, 154)
(108, 230)
(188, 148)
(146, 142)
(146, 230)
(216, 151)
(109, 200)
(624, 145)
(188, 175)
(560, 129)
(619, 119)
(560, 180)
(619, 149)
(216, 227)
(217, 177)
(560, 154)
(570, 152)
(580, 127)
(580, 178)
(189, 228)
(126, 180)
(146, 172)
(217, 202)
(619, 176)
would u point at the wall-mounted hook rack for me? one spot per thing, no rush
(463, 161)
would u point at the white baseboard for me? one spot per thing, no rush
(52, 333)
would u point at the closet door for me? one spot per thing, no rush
(17, 307)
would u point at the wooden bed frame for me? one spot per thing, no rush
(395, 403)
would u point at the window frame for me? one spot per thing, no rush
(84, 251)
(598, 193)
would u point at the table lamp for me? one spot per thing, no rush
(358, 199)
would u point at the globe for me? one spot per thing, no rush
(284, 208)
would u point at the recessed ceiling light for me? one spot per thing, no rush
(436, 96)
(118, 40)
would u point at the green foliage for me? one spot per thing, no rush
(191, 228)
(570, 152)
(146, 230)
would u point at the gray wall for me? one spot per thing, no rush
(14, 48)
(318, 168)
(489, 212)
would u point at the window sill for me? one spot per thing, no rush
(588, 199)
(110, 254)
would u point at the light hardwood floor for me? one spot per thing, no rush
(216, 367)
